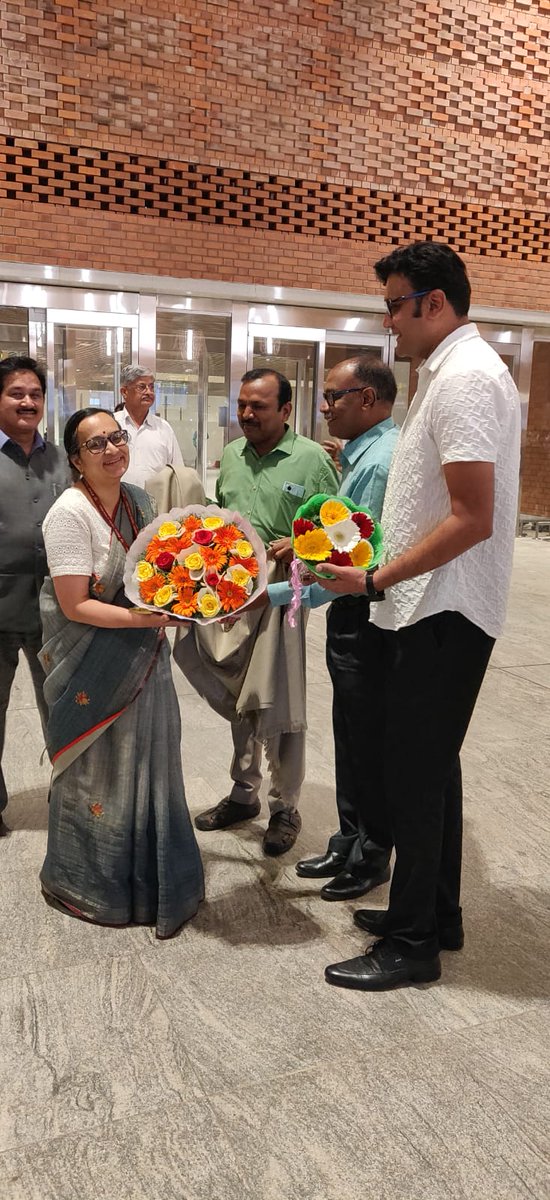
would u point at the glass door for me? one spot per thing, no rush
(298, 354)
(86, 352)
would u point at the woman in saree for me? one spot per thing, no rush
(121, 846)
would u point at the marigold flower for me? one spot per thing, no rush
(231, 595)
(179, 576)
(164, 596)
(150, 586)
(191, 523)
(362, 554)
(167, 530)
(157, 546)
(333, 511)
(209, 605)
(212, 522)
(214, 556)
(365, 524)
(250, 564)
(227, 536)
(186, 604)
(144, 571)
(300, 526)
(314, 545)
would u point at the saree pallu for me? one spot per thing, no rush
(121, 847)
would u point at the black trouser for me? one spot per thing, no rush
(429, 675)
(10, 645)
(348, 651)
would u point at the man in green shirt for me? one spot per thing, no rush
(266, 476)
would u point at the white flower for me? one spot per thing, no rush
(344, 535)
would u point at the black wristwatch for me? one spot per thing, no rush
(370, 589)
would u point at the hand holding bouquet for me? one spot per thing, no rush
(197, 563)
(332, 529)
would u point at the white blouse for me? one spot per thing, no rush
(76, 536)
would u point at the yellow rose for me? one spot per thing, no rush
(243, 549)
(167, 530)
(194, 561)
(164, 596)
(213, 522)
(240, 576)
(209, 605)
(144, 571)
(362, 554)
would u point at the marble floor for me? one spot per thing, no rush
(220, 1066)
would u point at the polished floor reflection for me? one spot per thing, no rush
(220, 1066)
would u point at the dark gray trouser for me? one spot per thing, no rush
(348, 653)
(10, 645)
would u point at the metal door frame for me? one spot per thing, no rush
(97, 320)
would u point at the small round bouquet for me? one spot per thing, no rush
(334, 530)
(197, 563)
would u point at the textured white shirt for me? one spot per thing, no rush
(76, 536)
(466, 409)
(152, 446)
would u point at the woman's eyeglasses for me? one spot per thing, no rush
(98, 444)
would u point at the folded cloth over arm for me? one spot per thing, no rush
(255, 669)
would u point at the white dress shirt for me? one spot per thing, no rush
(466, 409)
(152, 446)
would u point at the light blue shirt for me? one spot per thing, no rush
(365, 466)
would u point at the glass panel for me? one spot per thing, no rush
(298, 361)
(14, 331)
(87, 365)
(193, 385)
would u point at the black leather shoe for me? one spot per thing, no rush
(451, 937)
(281, 833)
(226, 813)
(348, 886)
(322, 867)
(382, 969)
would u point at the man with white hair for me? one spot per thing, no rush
(152, 441)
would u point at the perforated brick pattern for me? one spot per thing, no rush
(79, 177)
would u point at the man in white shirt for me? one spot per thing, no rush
(449, 523)
(152, 442)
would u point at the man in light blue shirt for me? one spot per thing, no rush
(357, 405)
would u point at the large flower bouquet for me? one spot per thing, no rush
(197, 563)
(334, 530)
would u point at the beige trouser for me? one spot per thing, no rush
(285, 755)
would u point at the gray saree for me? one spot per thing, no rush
(121, 847)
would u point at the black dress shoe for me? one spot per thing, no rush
(348, 886)
(226, 813)
(322, 867)
(374, 920)
(382, 969)
(281, 833)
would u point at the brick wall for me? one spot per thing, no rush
(535, 481)
(289, 142)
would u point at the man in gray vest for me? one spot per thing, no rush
(32, 474)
